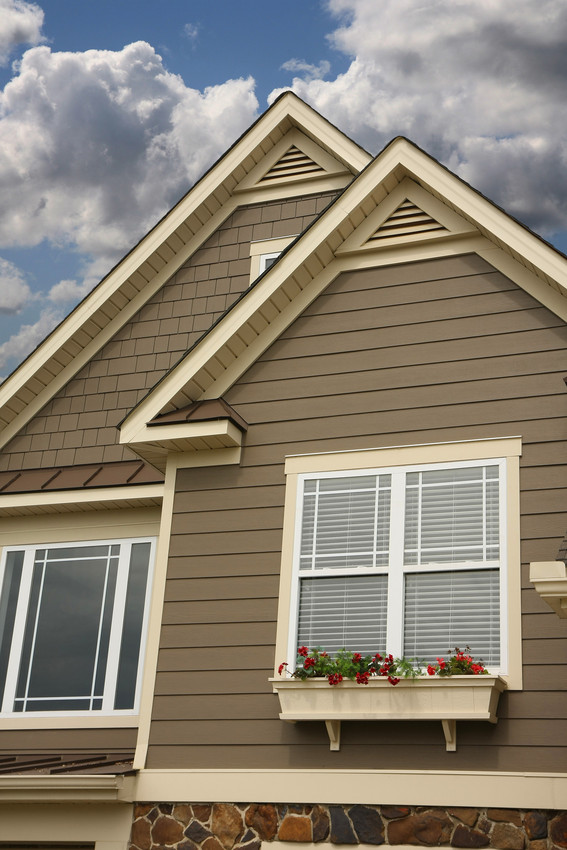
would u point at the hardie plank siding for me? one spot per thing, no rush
(433, 351)
(79, 425)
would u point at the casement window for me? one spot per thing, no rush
(412, 558)
(72, 626)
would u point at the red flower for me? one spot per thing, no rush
(362, 678)
(309, 662)
(431, 669)
(303, 651)
(282, 667)
(477, 668)
(356, 658)
(334, 678)
(393, 680)
(441, 662)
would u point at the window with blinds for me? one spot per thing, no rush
(404, 560)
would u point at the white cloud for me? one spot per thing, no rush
(479, 84)
(20, 23)
(310, 72)
(14, 291)
(96, 146)
(191, 31)
(28, 337)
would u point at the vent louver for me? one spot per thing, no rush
(407, 220)
(292, 164)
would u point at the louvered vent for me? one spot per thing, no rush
(293, 164)
(407, 220)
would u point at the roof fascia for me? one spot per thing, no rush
(287, 111)
(399, 160)
(86, 499)
(65, 789)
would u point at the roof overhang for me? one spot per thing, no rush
(335, 243)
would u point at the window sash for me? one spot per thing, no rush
(115, 603)
(485, 479)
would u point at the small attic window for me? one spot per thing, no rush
(265, 252)
(267, 260)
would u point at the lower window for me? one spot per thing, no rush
(72, 625)
(410, 560)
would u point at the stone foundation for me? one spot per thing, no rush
(226, 826)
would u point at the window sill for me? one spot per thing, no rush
(445, 699)
(70, 721)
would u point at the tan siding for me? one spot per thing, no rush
(80, 424)
(62, 741)
(425, 352)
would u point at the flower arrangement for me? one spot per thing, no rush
(360, 668)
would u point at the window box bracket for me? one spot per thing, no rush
(445, 699)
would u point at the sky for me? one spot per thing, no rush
(109, 112)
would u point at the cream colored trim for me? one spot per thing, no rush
(77, 820)
(87, 497)
(61, 789)
(266, 246)
(330, 166)
(405, 455)
(550, 581)
(406, 190)
(67, 527)
(397, 787)
(155, 618)
(508, 447)
(76, 721)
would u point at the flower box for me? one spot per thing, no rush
(447, 699)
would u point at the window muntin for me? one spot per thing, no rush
(435, 535)
(72, 625)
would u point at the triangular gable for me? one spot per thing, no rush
(296, 159)
(170, 244)
(341, 239)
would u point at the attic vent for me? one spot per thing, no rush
(407, 220)
(293, 164)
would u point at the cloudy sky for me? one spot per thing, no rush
(109, 111)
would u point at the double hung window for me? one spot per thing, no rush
(72, 624)
(408, 559)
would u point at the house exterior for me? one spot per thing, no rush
(322, 402)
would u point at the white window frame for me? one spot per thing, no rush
(263, 250)
(110, 684)
(504, 450)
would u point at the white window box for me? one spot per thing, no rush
(430, 698)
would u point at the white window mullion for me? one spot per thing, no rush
(116, 626)
(394, 634)
(18, 632)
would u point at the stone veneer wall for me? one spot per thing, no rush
(225, 826)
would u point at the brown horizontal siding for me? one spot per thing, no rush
(62, 741)
(425, 352)
(79, 426)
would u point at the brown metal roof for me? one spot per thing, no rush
(202, 411)
(79, 477)
(55, 764)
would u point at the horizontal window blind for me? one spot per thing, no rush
(447, 609)
(343, 612)
(346, 522)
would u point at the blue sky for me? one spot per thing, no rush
(109, 111)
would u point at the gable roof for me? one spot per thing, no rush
(399, 207)
(258, 165)
(403, 206)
